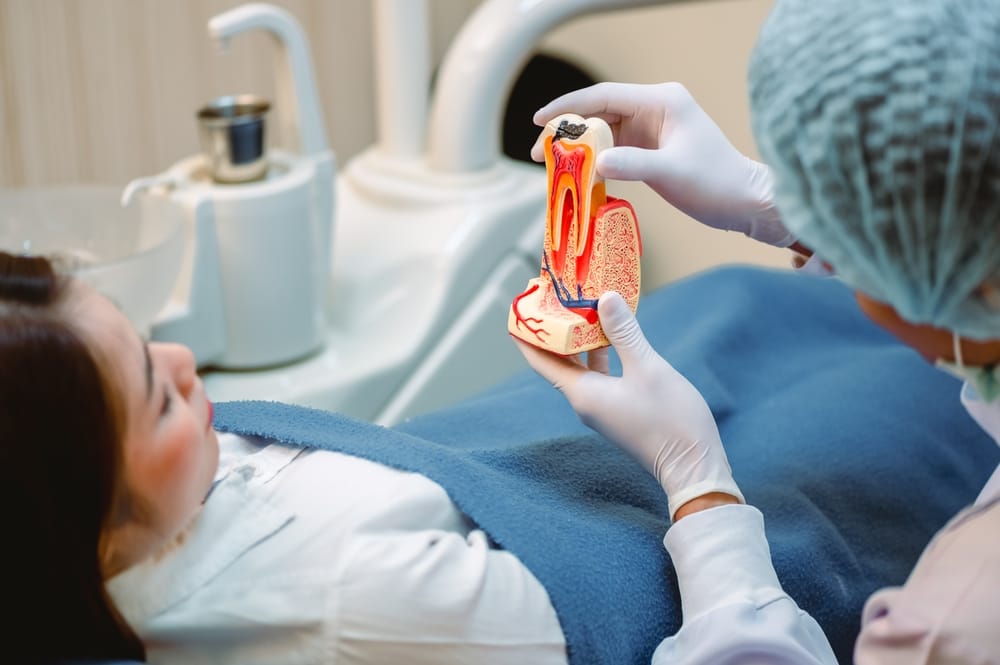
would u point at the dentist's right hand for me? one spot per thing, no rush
(651, 411)
(664, 138)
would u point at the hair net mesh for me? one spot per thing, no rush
(880, 120)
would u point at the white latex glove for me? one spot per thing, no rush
(665, 139)
(651, 411)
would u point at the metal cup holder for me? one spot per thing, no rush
(232, 132)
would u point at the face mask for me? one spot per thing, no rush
(984, 380)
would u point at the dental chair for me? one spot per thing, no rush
(855, 450)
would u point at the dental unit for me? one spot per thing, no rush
(379, 290)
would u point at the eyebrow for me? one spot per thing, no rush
(149, 370)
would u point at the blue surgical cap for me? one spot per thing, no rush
(880, 121)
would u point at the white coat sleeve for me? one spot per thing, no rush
(734, 608)
(437, 596)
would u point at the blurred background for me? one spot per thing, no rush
(102, 91)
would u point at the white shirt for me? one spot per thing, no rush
(735, 610)
(319, 557)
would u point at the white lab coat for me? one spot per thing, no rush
(735, 611)
(318, 557)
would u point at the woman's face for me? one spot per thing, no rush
(170, 451)
(932, 343)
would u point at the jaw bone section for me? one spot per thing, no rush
(591, 245)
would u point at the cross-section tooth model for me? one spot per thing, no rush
(592, 244)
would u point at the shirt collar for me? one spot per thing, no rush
(233, 519)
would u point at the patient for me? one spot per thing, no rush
(295, 557)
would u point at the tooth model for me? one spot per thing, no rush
(591, 245)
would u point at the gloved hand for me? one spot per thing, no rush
(651, 411)
(665, 139)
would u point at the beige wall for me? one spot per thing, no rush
(105, 90)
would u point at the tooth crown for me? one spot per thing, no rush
(591, 244)
(576, 191)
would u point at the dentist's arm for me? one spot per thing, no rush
(734, 608)
(664, 138)
(651, 411)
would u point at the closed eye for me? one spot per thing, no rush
(167, 400)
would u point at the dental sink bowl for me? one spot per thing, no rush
(132, 258)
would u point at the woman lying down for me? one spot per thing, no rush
(296, 556)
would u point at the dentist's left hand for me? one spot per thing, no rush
(651, 411)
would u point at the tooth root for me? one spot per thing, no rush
(571, 166)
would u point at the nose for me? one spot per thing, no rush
(179, 361)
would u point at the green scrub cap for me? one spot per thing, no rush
(880, 121)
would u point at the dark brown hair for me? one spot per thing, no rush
(60, 450)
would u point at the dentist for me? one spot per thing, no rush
(880, 123)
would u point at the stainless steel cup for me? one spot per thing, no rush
(232, 131)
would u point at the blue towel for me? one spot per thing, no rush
(853, 447)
